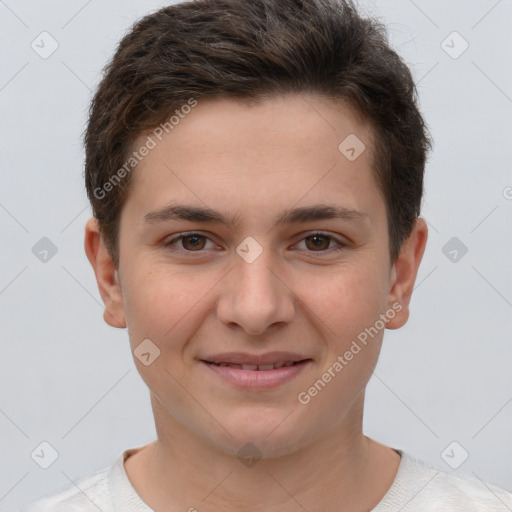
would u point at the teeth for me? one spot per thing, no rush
(254, 367)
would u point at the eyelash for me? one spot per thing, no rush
(341, 245)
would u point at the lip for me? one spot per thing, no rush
(258, 379)
(258, 359)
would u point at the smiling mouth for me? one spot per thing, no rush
(261, 367)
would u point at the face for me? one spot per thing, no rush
(290, 255)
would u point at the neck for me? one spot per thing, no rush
(185, 471)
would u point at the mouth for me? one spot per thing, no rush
(257, 377)
(257, 367)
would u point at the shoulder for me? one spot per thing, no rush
(87, 494)
(421, 486)
(467, 492)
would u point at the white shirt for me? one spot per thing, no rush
(417, 487)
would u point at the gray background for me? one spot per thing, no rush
(69, 379)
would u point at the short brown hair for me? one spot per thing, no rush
(251, 50)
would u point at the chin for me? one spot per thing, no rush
(261, 439)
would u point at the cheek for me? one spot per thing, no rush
(159, 308)
(349, 299)
(349, 305)
(163, 305)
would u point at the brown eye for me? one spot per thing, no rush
(320, 242)
(193, 242)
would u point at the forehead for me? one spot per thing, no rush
(285, 150)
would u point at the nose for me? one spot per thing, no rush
(256, 296)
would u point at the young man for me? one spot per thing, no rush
(255, 171)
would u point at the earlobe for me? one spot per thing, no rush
(404, 272)
(106, 275)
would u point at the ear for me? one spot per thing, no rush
(403, 273)
(106, 275)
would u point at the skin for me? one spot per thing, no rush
(255, 162)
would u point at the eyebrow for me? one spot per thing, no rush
(292, 216)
